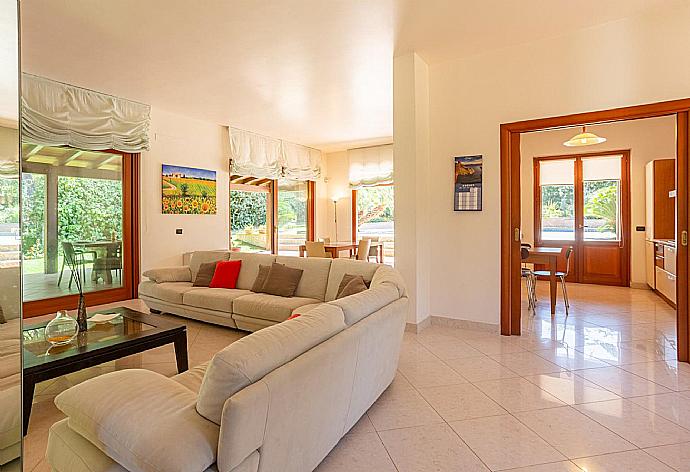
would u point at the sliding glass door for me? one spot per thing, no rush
(270, 216)
(76, 225)
(374, 217)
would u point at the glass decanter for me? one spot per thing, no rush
(62, 329)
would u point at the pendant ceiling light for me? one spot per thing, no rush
(584, 139)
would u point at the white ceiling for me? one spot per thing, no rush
(317, 72)
(8, 62)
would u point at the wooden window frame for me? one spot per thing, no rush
(130, 249)
(510, 314)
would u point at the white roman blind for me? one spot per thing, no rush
(300, 162)
(57, 114)
(254, 155)
(371, 166)
(557, 172)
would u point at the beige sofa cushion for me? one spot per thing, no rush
(171, 292)
(219, 299)
(305, 308)
(362, 304)
(201, 257)
(314, 278)
(131, 431)
(249, 359)
(268, 307)
(340, 267)
(387, 275)
(192, 378)
(68, 451)
(169, 274)
(250, 267)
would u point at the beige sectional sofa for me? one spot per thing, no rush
(170, 289)
(277, 400)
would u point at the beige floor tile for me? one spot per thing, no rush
(634, 423)
(676, 456)
(527, 363)
(621, 382)
(518, 394)
(364, 425)
(573, 433)
(630, 461)
(358, 453)
(670, 374)
(451, 348)
(460, 402)
(502, 442)
(430, 449)
(563, 466)
(430, 374)
(496, 345)
(476, 369)
(413, 352)
(404, 409)
(571, 359)
(571, 389)
(672, 406)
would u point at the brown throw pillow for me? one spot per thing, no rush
(205, 274)
(282, 280)
(347, 278)
(260, 280)
(355, 285)
(2, 316)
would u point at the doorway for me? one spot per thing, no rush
(510, 204)
(583, 201)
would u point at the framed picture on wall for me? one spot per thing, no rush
(468, 183)
(188, 191)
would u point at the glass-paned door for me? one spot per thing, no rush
(375, 217)
(293, 216)
(77, 220)
(583, 201)
(251, 214)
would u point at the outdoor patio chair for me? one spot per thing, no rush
(79, 260)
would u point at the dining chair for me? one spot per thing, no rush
(561, 276)
(77, 260)
(373, 250)
(326, 240)
(530, 280)
(316, 249)
(363, 250)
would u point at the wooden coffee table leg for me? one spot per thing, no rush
(181, 352)
(28, 400)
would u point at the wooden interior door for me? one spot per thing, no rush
(597, 220)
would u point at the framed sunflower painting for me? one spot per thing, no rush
(188, 191)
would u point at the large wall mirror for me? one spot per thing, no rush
(10, 247)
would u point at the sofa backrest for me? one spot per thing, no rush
(250, 267)
(340, 267)
(201, 257)
(314, 278)
(247, 360)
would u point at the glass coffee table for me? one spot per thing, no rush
(130, 333)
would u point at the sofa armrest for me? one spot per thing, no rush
(143, 420)
(169, 274)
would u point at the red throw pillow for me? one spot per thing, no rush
(293, 316)
(226, 274)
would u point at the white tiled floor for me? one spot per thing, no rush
(596, 391)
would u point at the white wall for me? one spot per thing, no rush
(649, 139)
(182, 141)
(338, 187)
(634, 61)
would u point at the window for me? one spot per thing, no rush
(601, 179)
(557, 190)
(76, 205)
(270, 216)
(374, 217)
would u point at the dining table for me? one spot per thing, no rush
(547, 256)
(102, 248)
(336, 248)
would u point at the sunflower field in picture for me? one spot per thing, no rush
(188, 191)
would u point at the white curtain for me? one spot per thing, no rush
(255, 155)
(57, 114)
(371, 166)
(300, 162)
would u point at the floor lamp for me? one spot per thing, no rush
(335, 217)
